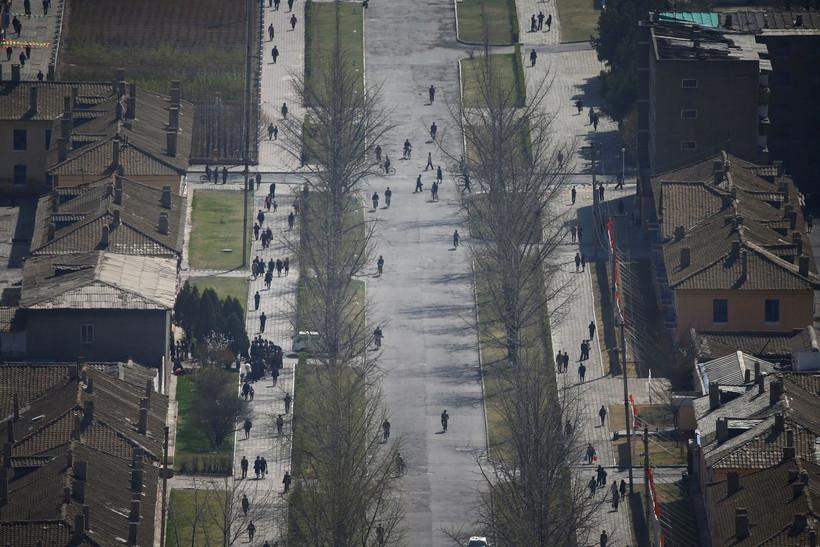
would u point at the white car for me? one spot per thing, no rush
(476, 541)
(308, 341)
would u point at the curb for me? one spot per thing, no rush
(480, 360)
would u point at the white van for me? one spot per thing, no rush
(306, 340)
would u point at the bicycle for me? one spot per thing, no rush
(390, 171)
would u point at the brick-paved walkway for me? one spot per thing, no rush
(278, 304)
(37, 28)
(277, 80)
(526, 9)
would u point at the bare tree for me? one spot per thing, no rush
(216, 406)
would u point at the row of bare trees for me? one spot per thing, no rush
(344, 475)
(532, 497)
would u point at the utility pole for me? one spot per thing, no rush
(647, 496)
(249, 32)
(164, 488)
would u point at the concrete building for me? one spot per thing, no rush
(699, 92)
(730, 251)
(99, 306)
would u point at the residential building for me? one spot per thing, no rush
(698, 93)
(115, 214)
(733, 369)
(730, 251)
(99, 306)
(81, 454)
(775, 347)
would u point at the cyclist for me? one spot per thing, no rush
(386, 165)
(408, 149)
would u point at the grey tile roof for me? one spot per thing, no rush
(99, 280)
(15, 98)
(772, 346)
(764, 20)
(730, 369)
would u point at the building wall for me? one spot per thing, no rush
(726, 101)
(119, 335)
(746, 310)
(34, 157)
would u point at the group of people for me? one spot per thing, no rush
(214, 174)
(258, 268)
(265, 356)
(260, 469)
(537, 22)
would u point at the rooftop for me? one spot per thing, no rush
(16, 98)
(730, 369)
(771, 346)
(99, 280)
(687, 41)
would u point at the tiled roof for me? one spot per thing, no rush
(763, 446)
(99, 280)
(772, 346)
(730, 369)
(35, 533)
(78, 215)
(768, 496)
(97, 159)
(15, 98)
(29, 382)
(676, 40)
(766, 20)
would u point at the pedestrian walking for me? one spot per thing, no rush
(541, 18)
(445, 419)
(380, 264)
(286, 481)
(276, 5)
(262, 320)
(431, 93)
(388, 193)
(601, 474)
(279, 267)
(258, 180)
(622, 489)
(572, 231)
(291, 220)
(592, 484)
(456, 239)
(604, 539)
(274, 53)
(270, 131)
(439, 174)
(386, 430)
(286, 265)
(590, 452)
(591, 328)
(9, 52)
(270, 32)
(380, 535)
(375, 199)
(583, 262)
(429, 161)
(434, 191)
(582, 371)
(580, 233)
(433, 131)
(247, 427)
(40, 76)
(579, 105)
(290, 5)
(809, 223)
(284, 110)
(280, 424)
(573, 194)
(419, 185)
(595, 119)
(251, 531)
(533, 58)
(257, 467)
(591, 114)
(292, 17)
(616, 496)
(27, 7)
(533, 23)
(602, 414)
(244, 465)
(224, 175)
(577, 262)
(378, 152)
(263, 466)
(601, 192)
(46, 5)
(246, 504)
(549, 22)
(288, 400)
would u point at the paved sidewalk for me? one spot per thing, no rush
(526, 9)
(36, 28)
(277, 81)
(277, 303)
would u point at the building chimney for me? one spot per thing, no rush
(163, 223)
(799, 522)
(62, 149)
(4, 487)
(143, 421)
(78, 428)
(775, 390)
(176, 93)
(105, 238)
(166, 197)
(78, 533)
(680, 232)
(732, 482)
(134, 515)
(803, 265)
(136, 481)
(797, 489)
(741, 523)
(744, 264)
(173, 117)
(6, 455)
(66, 494)
(32, 99)
(120, 111)
(735, 249)
(778, 167)
(797, 241)
(171, 143)
(15, 73)
(149, 386)
(80, 469)
(88, 412)
(115, 152)
(10, 433)
(779, 422)
(51, 229)
(685, 257)
(118, 196)
(79, 490)
(722, 430)
(118, 181)
(133, 528)
(717, 171)
(116, 220)
(15, 407)
(131, 102)
(761, 384)
(791, 215)
(51, 72)
(75, 92)
(714, 396)
(145, 402)
(87, 517)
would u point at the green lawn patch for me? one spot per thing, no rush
(320, 37)
(579, 19)
(508, 71)
(498, 17)
(194, 451)
(216, 227)
(236, 287)
(195, 517)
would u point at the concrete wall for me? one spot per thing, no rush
(119, 335)
(34, 157)
(726, 100)
(746, 310)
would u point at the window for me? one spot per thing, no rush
(771, 310)
(688, 146)
(87, 334)
(20, 175)
(48, 138)
(689, 83)
(689, 114)
(20, 139)
(720, 310)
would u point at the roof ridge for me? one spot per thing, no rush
(793, 269)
